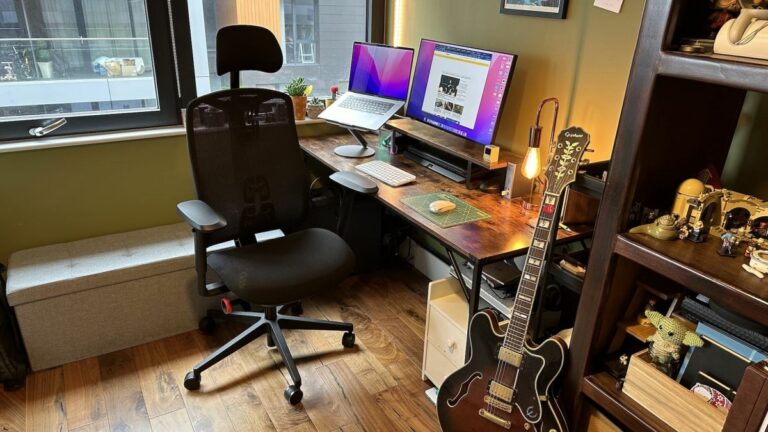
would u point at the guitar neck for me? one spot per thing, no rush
(532, 271)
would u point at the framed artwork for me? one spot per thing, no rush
(536, 8)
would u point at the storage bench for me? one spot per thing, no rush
(90, 297)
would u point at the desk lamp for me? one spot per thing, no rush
(532, 161)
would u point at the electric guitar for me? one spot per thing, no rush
(506, 385)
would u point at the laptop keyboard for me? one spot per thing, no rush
(366, 105)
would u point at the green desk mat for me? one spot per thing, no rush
(463, 213)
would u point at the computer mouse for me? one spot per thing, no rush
(441, 206)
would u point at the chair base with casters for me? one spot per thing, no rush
(270, 322)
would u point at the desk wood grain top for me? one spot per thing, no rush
(505, 234)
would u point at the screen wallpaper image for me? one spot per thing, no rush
(459, 89)
(381, 71)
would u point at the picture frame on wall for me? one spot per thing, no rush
(536, 8)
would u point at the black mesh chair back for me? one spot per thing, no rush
(246, 161)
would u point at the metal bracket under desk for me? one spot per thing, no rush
(472, 293)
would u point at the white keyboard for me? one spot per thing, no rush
(386, 173)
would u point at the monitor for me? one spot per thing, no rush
(460, 90)
(380, 70)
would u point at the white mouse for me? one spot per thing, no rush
(441, 206)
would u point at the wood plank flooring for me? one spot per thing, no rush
(374, 387)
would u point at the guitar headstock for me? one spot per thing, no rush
(571, 145)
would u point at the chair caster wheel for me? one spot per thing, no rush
(207, 325)
(293, 394)
(192, 382)
(348, 340)
(297, 309)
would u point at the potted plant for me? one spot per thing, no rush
(298, 90)
(332, 99)
(315, 107)
(44, 60)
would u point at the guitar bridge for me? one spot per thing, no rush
(501, 392)
(510, 357)
(506, 424)
(507, 408)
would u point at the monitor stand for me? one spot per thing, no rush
(355, 151)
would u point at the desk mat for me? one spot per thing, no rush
(463, 213)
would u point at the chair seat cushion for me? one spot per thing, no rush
(285, 269)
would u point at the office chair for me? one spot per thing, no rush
(250, 177)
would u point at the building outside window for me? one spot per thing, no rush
(316, 37)
(75, 57)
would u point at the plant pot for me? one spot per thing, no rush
(313, 111)
(328, 102)
(46, 69)
(299, 107)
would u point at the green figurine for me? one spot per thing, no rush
(667, 343)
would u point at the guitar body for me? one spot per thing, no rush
(461, 396)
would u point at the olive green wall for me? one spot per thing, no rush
(583, 60)
(64, 194)
(745, 167)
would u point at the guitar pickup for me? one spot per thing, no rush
(510, 357)
(506, 424)
(507, 408)
(501, 392)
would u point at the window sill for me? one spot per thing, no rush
(106, 137)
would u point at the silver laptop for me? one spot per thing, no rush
(378, 87)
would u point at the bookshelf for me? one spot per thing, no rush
(680, 114)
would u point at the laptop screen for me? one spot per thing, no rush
(380, 70)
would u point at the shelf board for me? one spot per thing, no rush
(601, 389)
(449, 143)
(698, 267)
(730, 71)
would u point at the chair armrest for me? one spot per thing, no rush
(200, 216)
(354, 181)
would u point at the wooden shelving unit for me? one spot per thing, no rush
(698, 267)
(601, 389)
(680, 114)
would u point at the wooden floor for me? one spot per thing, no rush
(374, 387)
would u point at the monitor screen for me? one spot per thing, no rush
(459, 89)
(380, 70)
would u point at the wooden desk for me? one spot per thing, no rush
(506, 234)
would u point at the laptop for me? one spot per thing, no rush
(378, 87)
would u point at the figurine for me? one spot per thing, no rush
(667, 343)
(683, 232)
(664, 228)
(729, 244)
(697, 234)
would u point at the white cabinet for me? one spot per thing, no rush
(446, 330)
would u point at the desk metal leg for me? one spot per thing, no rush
(474, 299)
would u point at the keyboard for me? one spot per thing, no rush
(367, 105)
(386, 173)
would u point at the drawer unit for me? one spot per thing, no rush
(446, 330)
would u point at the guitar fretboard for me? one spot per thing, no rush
(532, 271)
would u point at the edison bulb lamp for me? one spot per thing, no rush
(532, 163)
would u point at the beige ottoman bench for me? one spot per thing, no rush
(90, 297)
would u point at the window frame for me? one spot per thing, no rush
(166, 79)
(171, 43)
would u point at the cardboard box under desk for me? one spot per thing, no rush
(666, 399)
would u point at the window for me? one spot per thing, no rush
(85, 59)
(316, 37)
(300, 31)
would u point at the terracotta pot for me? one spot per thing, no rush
(299, 107)
(313, 111)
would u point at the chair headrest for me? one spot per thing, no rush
(247, 47)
